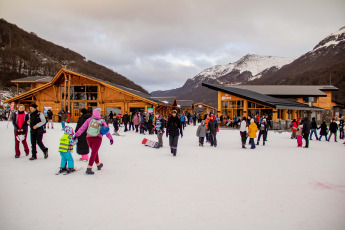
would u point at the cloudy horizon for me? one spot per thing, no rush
(160, 44)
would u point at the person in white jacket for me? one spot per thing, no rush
(243, 132)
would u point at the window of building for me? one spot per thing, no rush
(309, 99)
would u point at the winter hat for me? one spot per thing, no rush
(264, 119)
(34, 106)
(68, 130)
(174, 111)
(252, 120)
(83, 110)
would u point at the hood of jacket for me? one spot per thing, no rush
(96, 114)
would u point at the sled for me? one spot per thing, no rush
(149, 143)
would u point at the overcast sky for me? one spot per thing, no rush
(159, 44)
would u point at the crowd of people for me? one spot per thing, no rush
(91, 128)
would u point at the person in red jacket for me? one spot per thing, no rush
(69, 117)
(20, 123)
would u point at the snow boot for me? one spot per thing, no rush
(89, 171)
(46, 154)
(70, 170)
(62, 170)
(100, 166)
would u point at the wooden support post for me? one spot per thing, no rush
(17, 88)
(69, 93)
(275, 115)
(284, 114)
(220, 102)
(65, 92)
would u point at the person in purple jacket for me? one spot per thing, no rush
(94, 141)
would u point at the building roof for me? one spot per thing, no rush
(261, 98)
(202, 105)
(289, 90)
(33, 79)
(166, 100)
(185, 104)
(103, 82)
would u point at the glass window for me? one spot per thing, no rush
(79, 93)
(232, 104)
(224, 104)
(259, 106)
(240, 104)
(62, 92)
(251, 105)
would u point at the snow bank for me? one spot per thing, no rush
(277, 186)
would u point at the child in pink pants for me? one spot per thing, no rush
(299, 135)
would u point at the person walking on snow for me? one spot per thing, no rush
(159, 127)
(341, 129)
(37, 122)
(93, 126)
(213, 128)
(82, 146)
(125, 119)
(20, 123)
(252, 129)
(323, 131)
(136, 121)
(294, 128)
(262, 132)
(67, 142)
(299, 135)
(243, 132)
(201, 133)
(50, 118)
(333, 128)
(313, 127)
(306, 131)
(174, 129)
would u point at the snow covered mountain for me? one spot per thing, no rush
(244, 70)
(247, 68)
(326, 60)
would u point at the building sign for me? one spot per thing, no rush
(150, 110)
(226, 97)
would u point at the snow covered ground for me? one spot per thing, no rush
(277, 186)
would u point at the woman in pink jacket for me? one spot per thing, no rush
(94, 142)
(136, 121)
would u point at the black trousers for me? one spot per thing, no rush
(126, 127)
(243, 137)
(36, 139)
(213, 139)
(341, 133)
(136, 128)
(306, 138)
(173, 141)
(131, 126)
(201, 140)
(264, 134)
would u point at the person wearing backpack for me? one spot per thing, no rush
(93, 125)
(37, 129)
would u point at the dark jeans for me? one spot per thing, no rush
(201, 140)
(321, 137)
(311, 134)
(264, 134)
(131, 126)
(36, 139)
(243, 137)
(136, 128)
(213, 139)
(335, 136)
(173, 141)
(341, 133)
(160, 139)
(306, 138)
(252, 142)
(126, 127)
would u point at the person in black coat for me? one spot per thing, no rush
(306, 131)
(37, 129)
(213, 128)
(323, 131)
(313, 128)
(125, 119)
(262, 132)
(174, 129)
(111, 116)
(82, 146)
(333, 128)
(341, 129)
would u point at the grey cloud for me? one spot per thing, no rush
(162, 43)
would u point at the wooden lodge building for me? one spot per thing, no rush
(283, 102)
(72, 91)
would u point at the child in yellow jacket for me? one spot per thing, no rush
(252, 130)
